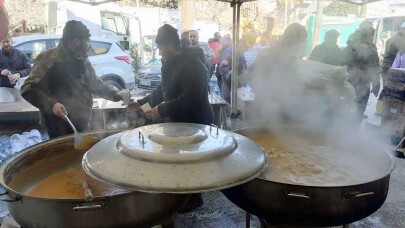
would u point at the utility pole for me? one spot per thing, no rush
(318, 22)
(187, 13)
(363, 10)
(285, 13)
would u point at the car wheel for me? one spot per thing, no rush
(113, 84)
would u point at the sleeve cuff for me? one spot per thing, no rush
(144, 100)
(162, 108)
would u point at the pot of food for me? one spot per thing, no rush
(313, 180)
(44, 189)
(179, 158)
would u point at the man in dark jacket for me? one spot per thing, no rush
(14, 64)
(361, 58)
(328, 52)
(182, 95)
(63, 82)
(195, 52)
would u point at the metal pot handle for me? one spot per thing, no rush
(5, 197)
(357, 194)
(298, 195)
(213, 125)
(89, 207)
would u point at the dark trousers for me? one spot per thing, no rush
(362, 91)
(384, 76)
(57, 126)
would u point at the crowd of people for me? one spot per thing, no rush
(360, 56)
(362, 60)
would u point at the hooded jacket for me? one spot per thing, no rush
(182, 95)
(59, 77)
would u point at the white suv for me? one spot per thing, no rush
(111, 63)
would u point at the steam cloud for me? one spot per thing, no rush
(314, 96)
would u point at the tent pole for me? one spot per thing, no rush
(235, 59)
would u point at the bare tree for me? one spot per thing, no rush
(213, 10)
(31, 11)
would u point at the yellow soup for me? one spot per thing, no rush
(297, 159)
(68, 185)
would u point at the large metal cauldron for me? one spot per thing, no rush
(132, 209)
(299, 205)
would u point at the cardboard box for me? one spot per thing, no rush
(393, 119)
(393, 127)
(396, 76)
(393, 107)
(394, 91)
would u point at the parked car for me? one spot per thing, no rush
(149, 76)
(111, 63)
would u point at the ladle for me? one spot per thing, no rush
(81, 142)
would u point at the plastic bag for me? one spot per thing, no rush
(26, 139)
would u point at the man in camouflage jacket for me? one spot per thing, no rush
(63, 82)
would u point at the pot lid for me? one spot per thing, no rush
(175, 158)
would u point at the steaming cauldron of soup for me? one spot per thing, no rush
(39, 192)
(312, 180)
(161, 163)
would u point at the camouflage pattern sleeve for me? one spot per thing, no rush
(30, 92)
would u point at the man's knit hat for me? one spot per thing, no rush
(167, 35)
(75, 29)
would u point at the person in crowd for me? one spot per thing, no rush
(214, 44)
(225, 65)
(196, 52)
(14, 64)
(182, 95)
(185, 41)
(361, 58)
(3, 21)
(224, 44)
(208, 52)
(392, 47)
(63, 82)
(328, 52)
(281, 58)
(185, 36)
(273, 77)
